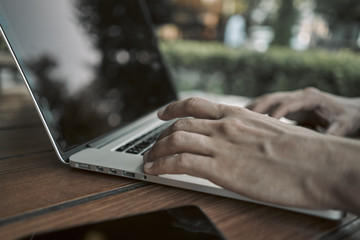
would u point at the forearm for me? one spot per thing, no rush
(333, 172)
(324, 169)
(346, 174)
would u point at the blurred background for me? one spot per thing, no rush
(252, 47)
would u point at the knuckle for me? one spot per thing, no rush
(184, 160)
(235, 124)
(178, 125)
(239, 110)
(176, 138)
(310, 90)
(230, 126)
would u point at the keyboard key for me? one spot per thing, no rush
(140, 144)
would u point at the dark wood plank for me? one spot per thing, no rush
(24, 117)
(37, 181)
(15, 99)
(16, 142)
(21, 130)
(236, 219)
(17, 108)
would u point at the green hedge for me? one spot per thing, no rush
(213, 67)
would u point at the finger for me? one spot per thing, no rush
(200, 126)
(180, 142)
(192, 107)
(286, 108)
(266, 103)
(337, 128)
(184, 163)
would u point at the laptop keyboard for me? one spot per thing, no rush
(144, 142)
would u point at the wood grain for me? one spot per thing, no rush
(17, 142)
(37, 181)
(236, 219)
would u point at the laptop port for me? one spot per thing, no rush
(112, 171)
(99, 169)
(128, 174)
(82, 165)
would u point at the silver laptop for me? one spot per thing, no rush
(97, 78)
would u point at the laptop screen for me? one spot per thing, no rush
(93, 65)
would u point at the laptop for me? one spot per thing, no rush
(97, 78)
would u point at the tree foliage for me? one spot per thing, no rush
(286, 18)
(339, 11)
(248, 73)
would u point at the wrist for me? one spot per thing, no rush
(343, 173)
(327, 171)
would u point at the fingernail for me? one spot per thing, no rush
(148, 165)
(161, 111)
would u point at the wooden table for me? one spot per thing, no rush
(39, 193)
